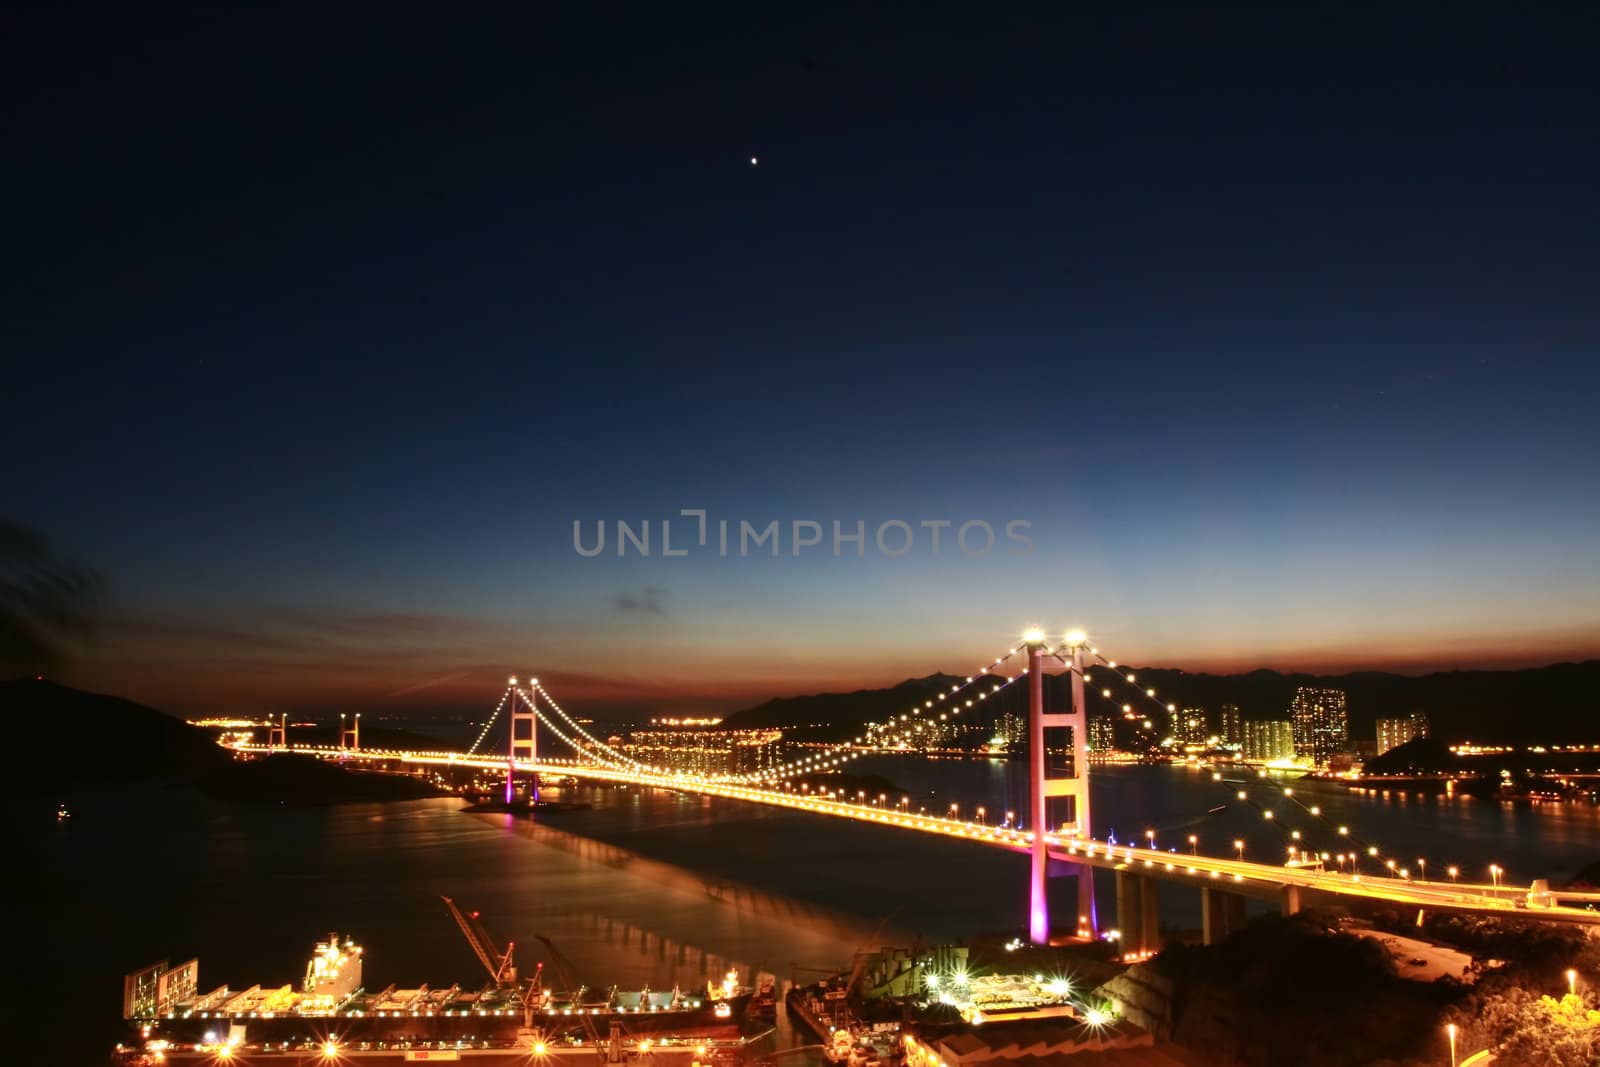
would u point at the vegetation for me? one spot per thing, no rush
(1531, 1030)
(118, 741)
(287, 779)
(1517, 965)
(111, 739)
(1296, 990)
(1428, 755)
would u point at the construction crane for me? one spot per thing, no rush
(564, 968)
(502, 971)
(569, 978)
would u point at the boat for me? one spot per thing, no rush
(171, 1020)
(524, 807)
(839, 1048)
(62, 814)
(764, 1005)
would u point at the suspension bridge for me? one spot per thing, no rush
(1057, 833)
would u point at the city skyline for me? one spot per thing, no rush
(324, 368)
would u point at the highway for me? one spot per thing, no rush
(1246, 877)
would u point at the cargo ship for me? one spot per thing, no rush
(332, 1016)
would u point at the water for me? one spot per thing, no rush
(1527, 841)
(648, 887)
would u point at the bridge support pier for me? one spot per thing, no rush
(1129, 916)
(1289, 903)
(1221, 914)
(1150, 902)
(1088, 921)
(1138, 914)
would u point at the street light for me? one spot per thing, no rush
(1494, 874)
(1572, 981)
(1150, 837)
(1453, 872)
(1450, 1028)
(1194, 844)
(1422, 869)
(1238, 845)
(980, 816)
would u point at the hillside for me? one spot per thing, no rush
(1538, 705)
(832, 716)
(94, 736)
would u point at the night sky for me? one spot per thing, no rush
(323, 324)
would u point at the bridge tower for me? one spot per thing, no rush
(278, 732)
(1043, 787)
(524, 735)
(350, 736)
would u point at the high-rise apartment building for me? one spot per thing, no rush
(1102, 734)
(1231, 731)
(1189, 726)
(1321, 724)
(701, 751)
(1393, 733)
(1267, 741)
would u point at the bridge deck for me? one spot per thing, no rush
(1236, 876)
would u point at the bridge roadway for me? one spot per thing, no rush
(1288, 886)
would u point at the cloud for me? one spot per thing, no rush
(648, 601)
(429, 684)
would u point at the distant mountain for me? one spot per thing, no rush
(78, 736)
(1559, 703)
(833, 716)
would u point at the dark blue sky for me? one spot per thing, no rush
(325, 325)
